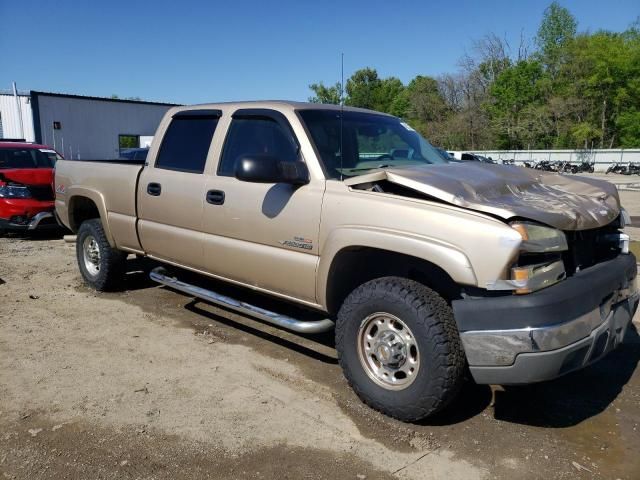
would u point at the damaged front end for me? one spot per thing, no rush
(566, 223)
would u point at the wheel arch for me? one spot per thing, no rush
(85, 204)
(369, 254)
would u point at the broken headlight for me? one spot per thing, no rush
(540, 239)
(624, 218)
(539, 264)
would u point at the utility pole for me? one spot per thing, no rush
(19, 108)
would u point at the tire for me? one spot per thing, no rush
(438, 354)
(102, 270)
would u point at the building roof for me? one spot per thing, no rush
(102, 99)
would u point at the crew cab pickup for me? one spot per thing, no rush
(423, 267)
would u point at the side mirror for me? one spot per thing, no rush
(268, 169)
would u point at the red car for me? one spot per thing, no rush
(26, 180)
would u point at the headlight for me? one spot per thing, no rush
(534, 272)
(625, 219)
(540, 239)
(14, 191)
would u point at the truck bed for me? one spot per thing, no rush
(112, 186)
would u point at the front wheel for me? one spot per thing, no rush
(101, 265)
(399, 348)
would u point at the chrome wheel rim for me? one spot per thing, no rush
(388, 351)
(91, 255)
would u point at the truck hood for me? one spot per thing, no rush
(28, 176)
(561, 201)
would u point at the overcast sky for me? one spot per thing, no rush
(198, 51)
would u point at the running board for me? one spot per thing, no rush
(160, 275)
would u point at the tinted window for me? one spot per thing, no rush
(255, 136)
(186, 143)
(26, 158)
(365, 141)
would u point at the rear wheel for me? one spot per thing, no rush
(101, 265)
(399, 348)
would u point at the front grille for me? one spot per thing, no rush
(41, 192)
(590, 247)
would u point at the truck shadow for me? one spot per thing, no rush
(560, 403)
(571, 399)
(258, 332)
(37, 235)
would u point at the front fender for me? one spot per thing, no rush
(442, 254)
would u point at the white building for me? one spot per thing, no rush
(80, 127)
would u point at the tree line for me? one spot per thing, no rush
(567, 90)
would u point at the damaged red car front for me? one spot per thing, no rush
(26, 192)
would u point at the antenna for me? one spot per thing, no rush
(341, 111)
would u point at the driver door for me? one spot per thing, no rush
(262, 235)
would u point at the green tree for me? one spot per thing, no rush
(515, 89)
(324, 94)
(628, 124)
(362, 88)
(558, 27)
(386, 96)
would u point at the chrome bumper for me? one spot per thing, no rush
(38, 218)
(500, 347)
(538, 366)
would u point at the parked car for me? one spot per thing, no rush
(426, 268)
(26, 179)
(473, 157)
(137, 154)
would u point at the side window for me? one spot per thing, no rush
(255, 136)
(186, 143)
(467, 156)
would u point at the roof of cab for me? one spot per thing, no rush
(275, 105)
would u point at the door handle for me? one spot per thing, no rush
(215, 197)
(154, 189)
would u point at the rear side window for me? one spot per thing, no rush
(255, 136)
(186, 143)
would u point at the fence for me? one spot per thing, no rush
(601, 158)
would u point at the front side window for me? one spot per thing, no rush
(363, 142)
(255, 137)
(186, 143)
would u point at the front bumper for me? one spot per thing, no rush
(520, 339)
(26, 214)
(40, 221)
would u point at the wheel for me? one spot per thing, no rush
(101, 265)
(399, 348)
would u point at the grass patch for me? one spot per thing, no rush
(635, 248)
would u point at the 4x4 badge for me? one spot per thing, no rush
(298, 242)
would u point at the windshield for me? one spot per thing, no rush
(369, 141)
(27, 158)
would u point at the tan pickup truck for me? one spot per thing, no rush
(425, 267)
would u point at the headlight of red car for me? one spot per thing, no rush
(14, 190)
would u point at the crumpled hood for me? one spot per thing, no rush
(28, 176)
(561, 201)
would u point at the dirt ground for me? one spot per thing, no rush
(148, 384)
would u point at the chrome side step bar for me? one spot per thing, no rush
(160, 275)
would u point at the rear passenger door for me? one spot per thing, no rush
(259, 234)
(171, 191)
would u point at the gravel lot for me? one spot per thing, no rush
(148, 383)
